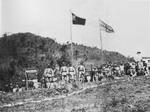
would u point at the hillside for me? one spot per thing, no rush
(26, 50)
(121, 95)
(93, 55)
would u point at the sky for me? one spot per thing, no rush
(52, 18)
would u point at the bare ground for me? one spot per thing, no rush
(115, 96)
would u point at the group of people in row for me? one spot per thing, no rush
(65, 73)
(95, 73)
(55, 77)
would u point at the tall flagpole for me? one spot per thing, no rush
(101, 42)
(71, 36)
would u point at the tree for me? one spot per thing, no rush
(65, 58)
(76, 54)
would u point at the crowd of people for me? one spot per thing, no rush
(69, 73)
(56, 76)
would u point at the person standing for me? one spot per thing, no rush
(48, 75)
(64, 72)
(72, 72)
(81, 72)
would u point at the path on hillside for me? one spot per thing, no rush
(54, 98)
(46, 99)
(90, 98)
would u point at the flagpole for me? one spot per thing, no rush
(71, 36)
(101, 42)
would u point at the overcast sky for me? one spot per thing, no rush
(129, 18)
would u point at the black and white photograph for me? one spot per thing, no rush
(74, 55)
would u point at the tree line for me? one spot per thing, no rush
(26, 50)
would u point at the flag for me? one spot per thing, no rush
(138, 52)
(77, 20)
(106, 27)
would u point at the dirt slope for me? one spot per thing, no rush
(116, 96)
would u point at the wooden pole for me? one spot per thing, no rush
(71, 36)
(101, 43)
(26, 80)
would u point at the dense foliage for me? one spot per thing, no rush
(25, 50)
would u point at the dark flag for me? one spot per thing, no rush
(138, 52)
(77, 20)
(106, 27)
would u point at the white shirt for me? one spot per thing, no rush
(48, 72)
(121, 67)
(64, 70)
(71, 70)
(81, 69)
